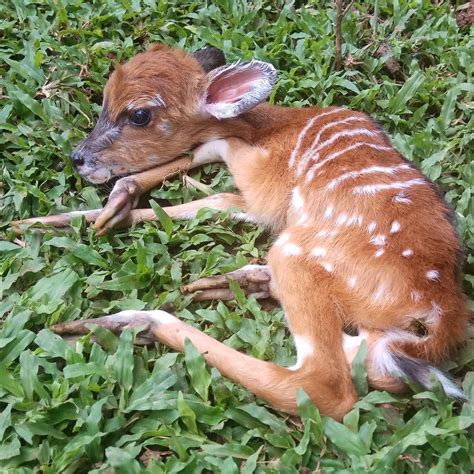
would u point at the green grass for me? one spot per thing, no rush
(90, 407)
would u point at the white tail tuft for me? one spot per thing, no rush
(388, 362)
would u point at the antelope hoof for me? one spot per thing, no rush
(253, 279)
(122, 199)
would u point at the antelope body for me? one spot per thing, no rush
(364, 239)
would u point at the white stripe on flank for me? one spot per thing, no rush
(302, 134)
(336, 154)
(370, 170)
(297, 200)
(372, 189)
(309, 152)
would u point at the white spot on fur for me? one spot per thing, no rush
(407, 253)
(354, 220)
(329, 267)
(433, 316)
(319, 252)
(303, 219)
(291, 250)
(341, 219)
(380, 293)
(328, 212)
(304, 349)
(395, 227)
(432, 275)
(378, 240)
(402, 198)
(352, 281)
(372, 189)
(371, 227)
(297, 200)
(282, 239)
(415, 296)
(379, 253)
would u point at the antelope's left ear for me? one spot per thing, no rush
(237, 88)
(209, 58)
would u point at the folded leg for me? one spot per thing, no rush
(253, 279)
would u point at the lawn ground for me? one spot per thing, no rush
(114, 407)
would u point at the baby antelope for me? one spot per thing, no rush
(365, 241)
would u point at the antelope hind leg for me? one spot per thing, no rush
(253, 279)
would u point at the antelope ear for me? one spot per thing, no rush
(209, 58)
(237, 88)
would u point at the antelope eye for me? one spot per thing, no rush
(140, 117)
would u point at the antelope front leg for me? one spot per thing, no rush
(255, 280)
(125, 194)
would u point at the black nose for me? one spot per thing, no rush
(77, 159)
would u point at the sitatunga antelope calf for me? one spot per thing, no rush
(365, 241)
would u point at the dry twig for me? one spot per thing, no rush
(340, 12)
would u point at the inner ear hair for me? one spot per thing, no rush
(209, 58)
